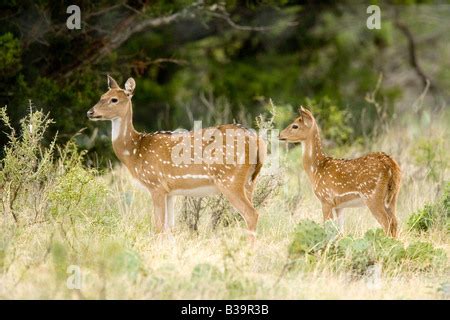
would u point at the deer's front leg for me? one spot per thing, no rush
(159, 207)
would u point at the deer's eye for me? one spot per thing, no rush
(294, 126)
(114, 100)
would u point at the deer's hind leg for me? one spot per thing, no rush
(327, 211)
(237, 196)
(392, 212)
(383, 215)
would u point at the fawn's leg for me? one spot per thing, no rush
(327, 211)
(387, 220)
(392, 211)
(159, 207)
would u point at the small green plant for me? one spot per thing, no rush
(310, 238)
(422, 256)
(375, 247)
(423, 219)
(432, 215)
(320, 243)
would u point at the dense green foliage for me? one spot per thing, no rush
(41, 183)
(322, 56)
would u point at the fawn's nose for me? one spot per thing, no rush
(90, 113)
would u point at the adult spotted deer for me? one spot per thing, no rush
(372, 180)
(196, 163)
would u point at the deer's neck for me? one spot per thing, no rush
(125, 139)
(312, 153)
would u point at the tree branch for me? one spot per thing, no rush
(412, 51)
(129, 26)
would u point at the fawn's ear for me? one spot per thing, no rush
(112, 84)
(306, 116)
(130, 85)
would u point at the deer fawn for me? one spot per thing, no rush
(150, 159)
(372, 180)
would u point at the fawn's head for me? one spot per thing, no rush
(300, 129)
(115, 103)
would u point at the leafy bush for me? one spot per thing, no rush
(422, 256)
(27, 166)
(39, 182)
(313, 242)
(76, 192)
(436, 215)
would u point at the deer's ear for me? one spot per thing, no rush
(300, 110)
(307, 117)
(130, 85)
(112, 84)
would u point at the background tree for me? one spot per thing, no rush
(219, 61)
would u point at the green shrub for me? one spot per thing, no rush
(40, 182)
(375, 247)
(432, 215)
(313, 243)
(77, 192)
(27, 167)
(310, 238)
(423, 219)
(422, 256)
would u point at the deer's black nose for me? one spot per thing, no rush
(90, 113)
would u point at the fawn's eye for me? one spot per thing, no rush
(114, 100)
(294, 126)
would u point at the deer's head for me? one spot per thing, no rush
(115, 103)
(300, 129)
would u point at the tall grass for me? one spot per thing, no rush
(61, 219)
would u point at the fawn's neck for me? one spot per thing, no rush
(312, 152)
(125, 139)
